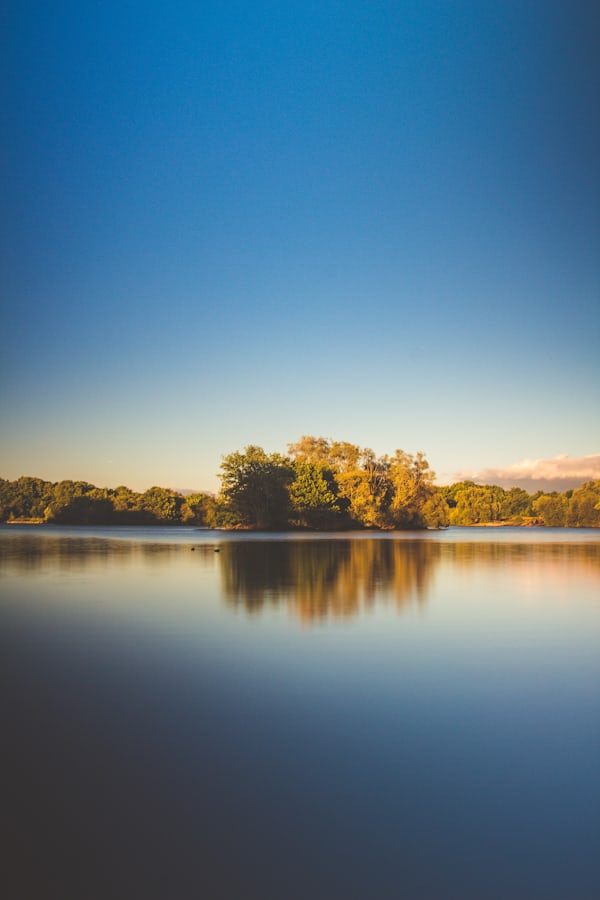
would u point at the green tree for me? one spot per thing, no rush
(26, 497)
(66, 506)
(584, 506)
(313, 496)
(254, 487)
(516, 504)
(82, 509)
(435, 511)
(162, 504)
(199, 509)
(125, 500)
(473, 504)
(5, 499)
(490, 498)
(552, 509)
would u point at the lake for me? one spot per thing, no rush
(205, 714)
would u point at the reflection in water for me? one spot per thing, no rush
(466, 553)
(326, 578)
(157, 745)
(545, 565)
(323, 579)
(317, 579)
(26, 553)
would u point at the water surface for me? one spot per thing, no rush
(207, 714)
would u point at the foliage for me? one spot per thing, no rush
(254, 487)
(515, 503)
(81, 503)
(477, 504)
(199, 509)
(412, 482)
(25, 497)
(363, 481)
(77, 502)
(162, 504)
(584, 506)
(552, 509)
(473, 504)
(435, 511)
(322, 484)
(313, 497)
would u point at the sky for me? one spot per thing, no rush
(232, 223)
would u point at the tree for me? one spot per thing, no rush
(311, 449)
(473, 504)
(363, 479)
(124, 499)
(412, 482)
(162, 504)
(584, 506)
(69, 503)
(552, 509)
(254, 487)
(435, 511)
(199, 509)
(26, 497)
(516, 504)
(81, 509)
(344, 457)
(313, 496)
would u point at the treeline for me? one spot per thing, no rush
(320, 484)
(81, 503)
(323, 484)
(474, 504)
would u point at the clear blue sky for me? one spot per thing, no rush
(231, 223)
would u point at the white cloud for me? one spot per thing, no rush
(558, 473)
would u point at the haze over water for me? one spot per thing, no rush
(301, 716)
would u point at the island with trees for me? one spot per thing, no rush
(320, 484)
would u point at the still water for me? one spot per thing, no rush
(201, 714)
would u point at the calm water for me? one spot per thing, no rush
(342, 716)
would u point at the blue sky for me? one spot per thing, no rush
(231, 223)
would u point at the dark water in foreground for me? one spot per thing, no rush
(355, 717)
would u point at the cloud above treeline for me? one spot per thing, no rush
(557, 474)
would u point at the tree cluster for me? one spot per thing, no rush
(81, 503)
(333, 485)
(474, 504)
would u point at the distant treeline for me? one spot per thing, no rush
(81, 503)
(320, 484)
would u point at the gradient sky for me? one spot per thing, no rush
(231, 223)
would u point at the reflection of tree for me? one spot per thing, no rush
(556, 560)
(327, 578)
(503, 552)
(336, 578)
(28, 553)
(318, 578)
